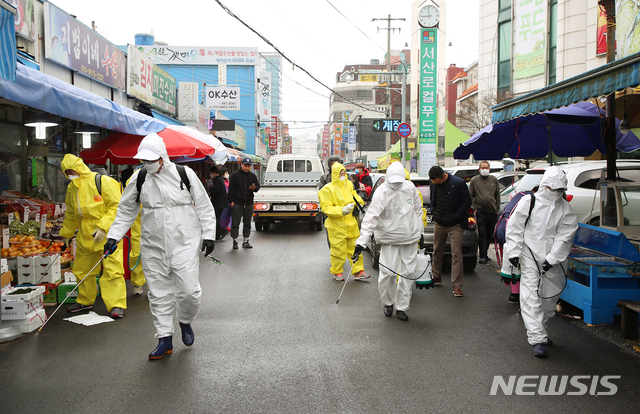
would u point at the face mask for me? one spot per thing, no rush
(226, 176)
(152, 168)
(73, 177)
(395, 186)
(342, 178)
(210, 175)
(553, 194)
(484, 172)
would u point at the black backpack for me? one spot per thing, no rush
(142, 174)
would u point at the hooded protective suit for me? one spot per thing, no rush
(137, 274)
(395, 216)
(174, 223)
(341, 229)
(88, 211)
(548, 236)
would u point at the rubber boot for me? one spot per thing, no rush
(165, 346)
(187, 334)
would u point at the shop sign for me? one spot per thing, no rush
(75, 46)
(164, 90)
(188, 101)
(139, 75)
(273, 134)
(352, 138)
(222, 98)
(24, 18)
(428, 126)
(386, 125)
(180, 55)
(264, 96)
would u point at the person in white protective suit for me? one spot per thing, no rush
(395, 216)
(541, 247)
(174, 222)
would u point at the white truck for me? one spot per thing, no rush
(289, 192)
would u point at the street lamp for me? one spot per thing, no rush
(40, 122)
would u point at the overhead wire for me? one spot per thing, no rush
(295, 65)
(347, 19)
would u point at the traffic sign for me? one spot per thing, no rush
(404, 130)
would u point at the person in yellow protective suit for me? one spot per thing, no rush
(91, 213)
(137, 274)
(337, 202)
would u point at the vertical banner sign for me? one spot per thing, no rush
(273, 134)
(627, 28)
(338, 133)
(601, 34)
(352, 138)
(264, 96)
(140, 76)
(428, 127)
(530, 25)
(188, 101)
(325, 141)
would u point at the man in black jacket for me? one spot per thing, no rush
(219, 200)
(242, 184)
(450, 200)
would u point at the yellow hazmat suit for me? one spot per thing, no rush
(341, 229)
(137, 274)
(88, 211)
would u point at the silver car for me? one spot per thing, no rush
(469, 237)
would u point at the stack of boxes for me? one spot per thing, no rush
(23, 310)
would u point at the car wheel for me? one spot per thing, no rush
(258, 226)
(312, 225)
(595, 221)
(266, 225)
(469, 263)
(318, 225)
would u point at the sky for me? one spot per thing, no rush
(322, 36)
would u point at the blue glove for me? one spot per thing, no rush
(110, 246)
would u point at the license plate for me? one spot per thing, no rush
(285, 207)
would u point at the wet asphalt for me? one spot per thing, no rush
(270, 338)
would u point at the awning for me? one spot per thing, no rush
(453, 137)
(614, 76)
(392, 155)
(38, 90)
(7, 42)
(164, 118)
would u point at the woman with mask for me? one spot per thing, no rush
(337, 202)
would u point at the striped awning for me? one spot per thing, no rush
(7, 42)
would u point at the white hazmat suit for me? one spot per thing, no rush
(174, 223)
(395, 216)
(548, 236)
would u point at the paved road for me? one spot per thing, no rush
(270, 338)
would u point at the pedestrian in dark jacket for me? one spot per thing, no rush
(450, 200)
(219, 200)
(242, 184)
(326, 177)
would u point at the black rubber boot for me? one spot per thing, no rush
(165, 346)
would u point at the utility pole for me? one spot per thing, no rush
(610, 132)
(389, 29)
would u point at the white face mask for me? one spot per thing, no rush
(210, 175)
(342, 178)
(553, 194)
(73, 177)
(395, 186)
(484, 172)
(152, 168)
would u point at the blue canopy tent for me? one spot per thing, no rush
(572, 131)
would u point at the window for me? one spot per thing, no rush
(285, 166)
(553, 42)
(504, 56)
(588, 179)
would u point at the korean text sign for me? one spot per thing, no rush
(428, 126)
(72, 44)
(222, 98)
(140, 75)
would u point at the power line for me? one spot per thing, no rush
(267, 41)
(341, 14)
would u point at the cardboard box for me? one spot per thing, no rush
(5, 280)
(33, 321)
(18, 306)
(50, 296)
(27, 274)
(48, 269)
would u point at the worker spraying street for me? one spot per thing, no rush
(177, 219)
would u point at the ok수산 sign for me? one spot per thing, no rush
(222, 98)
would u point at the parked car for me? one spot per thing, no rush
(583, 191)
(507, 178)
(467, 172)
(469, 238)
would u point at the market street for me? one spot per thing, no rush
(270, 338)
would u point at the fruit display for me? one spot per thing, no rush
(66, 258)
(25, 246)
